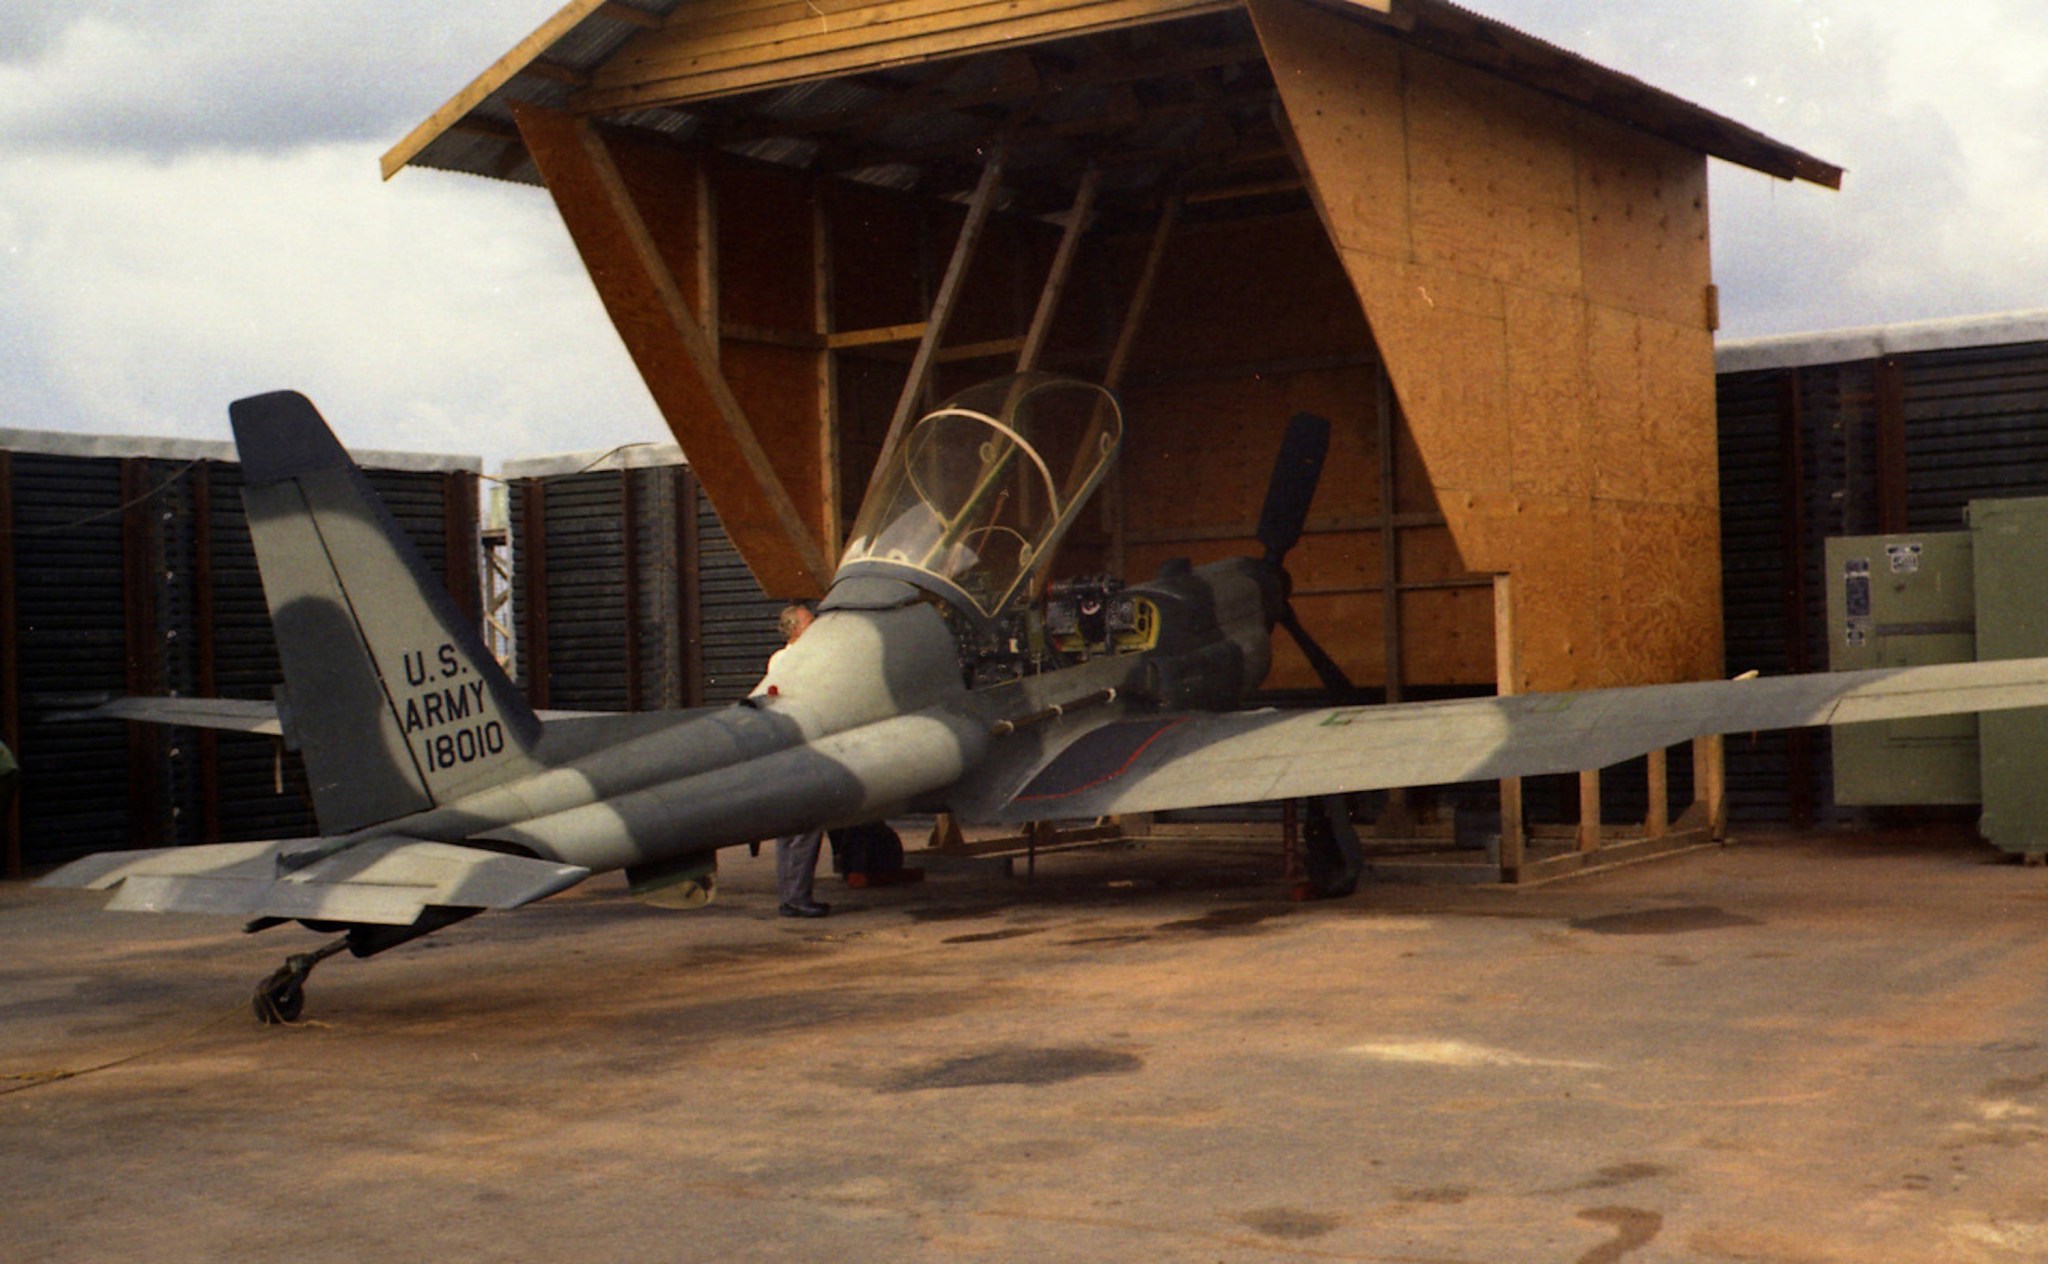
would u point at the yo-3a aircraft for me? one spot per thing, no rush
(943, 673)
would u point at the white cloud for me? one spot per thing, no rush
(439, 313)
(189, 210)
(164, 76)
(1933, 109)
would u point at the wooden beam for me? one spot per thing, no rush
(1020, 84)
(555, 72)
(880, 334)
(708, 308)
(631, 16)
(499, 74)
(978, 208)
(703, 357)
(979, 350)
(1141, 297)
(822, 275)
(677, 67)
(1062, 268)
(800, 339)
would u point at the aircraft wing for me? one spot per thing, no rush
(386, 881)
(241, 715)
(1163, 762)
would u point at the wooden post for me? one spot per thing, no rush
(822, 293)
(1589, 810)
(459, 542)
(1890, 448)
(1658, 822)
(945, 833)
(1062, 266)
(1710, 792)
(1506, 674)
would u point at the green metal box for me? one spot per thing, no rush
(2011, 547)
(1903, 601)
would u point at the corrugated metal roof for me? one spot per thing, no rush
(474, 132)
(631, 456)
(1870, 342)
(167, 448)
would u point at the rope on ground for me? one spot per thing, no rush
(37, 1079)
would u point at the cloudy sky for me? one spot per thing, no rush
(190, 209)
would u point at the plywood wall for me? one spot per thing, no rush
(1253, 321)
(1537, 279)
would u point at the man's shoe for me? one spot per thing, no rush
(811, 909)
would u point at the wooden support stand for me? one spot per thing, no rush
(1038, 838)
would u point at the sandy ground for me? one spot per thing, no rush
(1829, 1049)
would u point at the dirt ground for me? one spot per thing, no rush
(1823, 1049)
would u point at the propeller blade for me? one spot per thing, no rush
(1293, 485)
(1334, 680)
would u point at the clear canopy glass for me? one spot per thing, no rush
(976, 494)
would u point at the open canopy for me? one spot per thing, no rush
(975, 495)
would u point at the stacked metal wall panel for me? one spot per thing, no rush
(629, 594)
(1856, 433)
(127, 569)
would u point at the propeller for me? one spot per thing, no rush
(1335, 859)
(1293, 485)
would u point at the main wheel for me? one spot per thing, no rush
(281, 998)
(1330, 847)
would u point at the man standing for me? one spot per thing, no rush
(796, 855)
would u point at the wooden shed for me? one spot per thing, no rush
(1483, 257)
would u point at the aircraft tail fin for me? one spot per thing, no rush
(395, 702)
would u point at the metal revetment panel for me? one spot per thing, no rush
(2011, 546)
(1903, 601)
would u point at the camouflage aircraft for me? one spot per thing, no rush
(942, 674)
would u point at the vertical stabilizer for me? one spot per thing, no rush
(396, 703)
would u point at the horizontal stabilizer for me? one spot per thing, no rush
(385, 881)
(1162, 762)
(236, 715)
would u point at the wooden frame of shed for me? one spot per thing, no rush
(1483, 257)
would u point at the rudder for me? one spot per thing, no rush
(396, 704)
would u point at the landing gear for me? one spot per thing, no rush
(1335, 859)
(281, 997)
